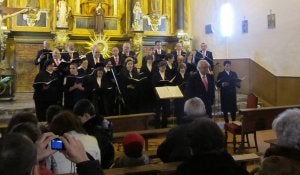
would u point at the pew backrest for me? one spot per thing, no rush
(256, 119)
(131, 122)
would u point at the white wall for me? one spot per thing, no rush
(277, 50)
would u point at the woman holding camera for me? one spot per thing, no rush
(66, 122)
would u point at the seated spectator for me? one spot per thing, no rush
(285, 158)
(133, 145)
(19, 155)
(21, 117)
(33, 132)
(175, 147)
(193, 108)
(208, 152)
(98, 127)
(66, 122)
(50, 113)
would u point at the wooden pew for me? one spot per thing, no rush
(167, 168)
(272, 142)
(131, 122)
(257, 119)
(147, 134)
(162, 168)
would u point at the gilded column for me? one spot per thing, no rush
(180, 15)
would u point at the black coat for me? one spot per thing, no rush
(104, 96)
(130, 95)
(213, 163)
(71, 97)
(280, 160)
(45, 54)
(91, 62)
(102, 130)
(175, 147)
(196, 88)
(174, 53)
(67, 57)
(228, 93)
(91, 167)
(159, 57)
(123, 57)
(52, 92)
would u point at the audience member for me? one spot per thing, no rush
(176, 146)
(193, 108)
(33, 132)
(19, 155)
(208, 152)
(50, 113)
(98, 127)
(284, 158)
(133, 144)
(21, 117)
(66, 122)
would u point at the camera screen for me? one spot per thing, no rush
(57, 144)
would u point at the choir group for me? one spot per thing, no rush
(114, 85)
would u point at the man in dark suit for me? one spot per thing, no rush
(42, 55)
(126, 52)
(95, 58)
(227, 82)
(116, 56)
(70, 54)
(202, 85)
(204, 54)
(159, 54)
(177, 52)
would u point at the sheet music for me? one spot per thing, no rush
(169, 92)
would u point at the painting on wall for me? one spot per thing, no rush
(208, 29)
(271, 21)
(245, 26)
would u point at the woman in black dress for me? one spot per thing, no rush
(46, 90)
(129, 86)
(74, 87)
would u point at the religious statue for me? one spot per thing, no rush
(63, 11)
(99, 19)
(137, 23)
(155, 6)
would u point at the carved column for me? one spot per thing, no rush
(180, 15)
(137, 45)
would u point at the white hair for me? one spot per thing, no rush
(194, 107)
(287, 128)
(200, 62)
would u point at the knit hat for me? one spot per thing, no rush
(133, 144)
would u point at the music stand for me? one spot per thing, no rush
(119, 95)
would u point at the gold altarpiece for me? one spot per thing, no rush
(26, 31)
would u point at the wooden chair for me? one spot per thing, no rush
(237, 129)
